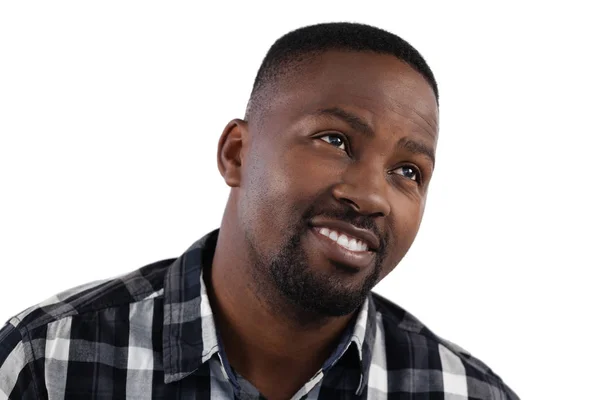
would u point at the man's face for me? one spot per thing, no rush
(341, 145)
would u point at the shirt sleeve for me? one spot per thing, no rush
(16, 377)
(510, 395)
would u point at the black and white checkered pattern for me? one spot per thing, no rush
(150, 334)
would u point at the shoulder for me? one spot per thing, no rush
(24, 338)
(16, 379)
(134, 286)
(405, 334)
(84, 301)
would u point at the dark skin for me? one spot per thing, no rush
(350, 135)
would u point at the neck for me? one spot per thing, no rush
(266, 338)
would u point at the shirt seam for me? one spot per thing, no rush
(169, 347)
(30, 363)
(72, 313)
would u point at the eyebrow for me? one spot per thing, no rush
(358, 124)
(417, 148)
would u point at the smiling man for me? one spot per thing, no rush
(329, 172)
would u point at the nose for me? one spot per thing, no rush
(364, 188)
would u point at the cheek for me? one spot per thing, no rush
(261, 187)
(407, 217)
(277, 188)
(297, 175)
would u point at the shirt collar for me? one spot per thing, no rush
(189, 332)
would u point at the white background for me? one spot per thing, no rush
(110, 114)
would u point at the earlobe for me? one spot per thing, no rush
(229, 155)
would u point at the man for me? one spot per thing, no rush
(329, 173)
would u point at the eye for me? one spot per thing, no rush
(409, 171)
(335, 140)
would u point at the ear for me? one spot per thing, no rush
(232, 144)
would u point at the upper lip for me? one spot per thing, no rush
(363, 234)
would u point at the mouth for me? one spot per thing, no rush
(345, 251)
(344, 240)
(347, 235)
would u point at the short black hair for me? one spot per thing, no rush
(289, 50)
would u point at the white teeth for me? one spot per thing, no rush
(343, 240)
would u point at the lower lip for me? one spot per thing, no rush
(351, 260)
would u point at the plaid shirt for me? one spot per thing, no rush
(150, 334)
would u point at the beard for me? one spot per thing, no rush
(312, 292)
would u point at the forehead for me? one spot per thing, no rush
(381, 87)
